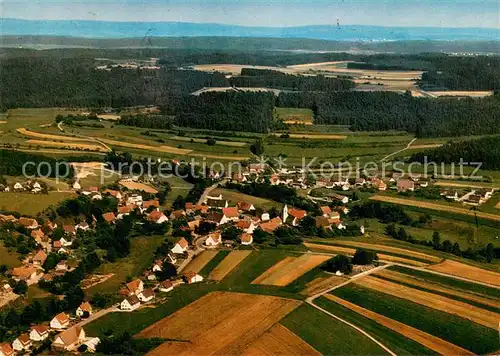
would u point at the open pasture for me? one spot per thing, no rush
(31, 204)
(289, 269)
(131, 185)
(228, 264)
(203, 140)
(234, 196)
(455, 268)
(218, 323)
(478, 315)
(30, 133)
(279, 341)
(431, 342)
(68, 145)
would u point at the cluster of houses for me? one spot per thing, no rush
(29, 186)
(473, 197)
(66, 337)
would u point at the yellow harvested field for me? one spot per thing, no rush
(318, 137)
(472, 94)
(422, 147)
(279, 341)
(465, 271)
(228, 264)
(29, 133)
(163, 148)
(289, 269)
(112, 117)
(441, 346)
(203, 140)
(3, 122)
(408, 279)
(351, 251)
(221, 323)
(229, 158)
(321, 284)
(434, 206)
(235, 68)
(397, 250)
(435, 301)
(138, 186)
(69, 145)
(200, 261)
(464, 185)
(497, 206)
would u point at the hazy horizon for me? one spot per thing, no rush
(270, 13)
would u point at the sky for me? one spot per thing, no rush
(275, 13)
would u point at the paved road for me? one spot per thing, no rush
(209, 189)
(99, 314)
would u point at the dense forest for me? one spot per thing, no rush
(485, 150)
(380, 111)
(236, 111)
(12, 163)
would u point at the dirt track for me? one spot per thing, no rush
(462, 270)
(221, 323)
(279, 341)
(289, 269)
(404, 278)
(228, 264)
(435, 301)
(434, 206)
(434, 343)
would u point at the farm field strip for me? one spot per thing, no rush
(470, 272)
(215, 156)
(70, 145)
(163, 148)
(472, 94)
(322, 284)
(408, 279)
(228, 264)
(318, 136)
(200, 261)
(478, 315)
(280, 341)
(473, 185)
(385, 248)
(138, 186)
(434, 343)
(289, 269)
(433, 206)
(35, 134)
(230, 322)
(203, 140)
(352, 251)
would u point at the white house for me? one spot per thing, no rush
(246, 239)
(69, 340)
(213, 239)
(157, 217)
(135, 287)
(39, 333)
(130, 303)
(62, 266)
(85, 307)
(157, 266)
(191, 277)
(247, 226)
(18, 186)
(341, 198)
(77, 186)
(165, 286)
(91, 343)
(22, 343)
(60, 321)
(146, 295)
(229, 214)
(181, 246)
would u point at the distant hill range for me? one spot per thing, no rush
(108, 29)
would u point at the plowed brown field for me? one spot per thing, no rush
(279, 341)
(462, 270)
(219, 323)
(289, 269)
(434, 343)
(435, 301)
(404, 278)
(228, 264)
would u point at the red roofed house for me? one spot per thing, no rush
(326, 211)
(39, 332)
(149, 203)
(24, 273)
(213, 239)
(271, 225)
(165, 286)
(191, 277)
(229, 214)
(245, 207)
(247, 226)
(6, 350)
(146, 295)
(69, 229)
(69, 340)
(405, 185)
(180, 247)
(85, 307)
(114, 193)
(28, 223)
(60, 321)
(135, 287)
(39, 258)
(130, 303)
(246, 239)
(295, 215)
(157, 217)
(177, 214)
(109, 217)
(37, 235)
(124, 211)
(23, 342)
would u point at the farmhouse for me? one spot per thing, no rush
(177, 214)
(39, 258)
(28, 223)
(295, 215)
(213, 239)
(37, 235)
(85, 307)
(84, 226)
(149, 203)
(25, 273)
(191, 277)
(114, 193)
(271, 225)
(181, 246)
(22, 343)
(405, 185)
(216, 203)
(247, 226)
(130, 303)
(39, 332)
(69, 230)
(229, 214)
(69, 340)
(157, 217)
(124, 211)
(165, 286)
(135, 287)
(215, 217)
(6, 350)
(341, 198)
(146, 295)
(246, 239)
(109, 217)
(60, 321)
(245, 207)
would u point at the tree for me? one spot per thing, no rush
(211, 141)
(101, 300)
(489, 252)
(447, 246)
(260, 236)
(21, 288)
(257, 148)
(436, 240)
(231, 233)
(456, 249)
(363, 257)
(167, 271)
(340, 263)
(179, 203)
